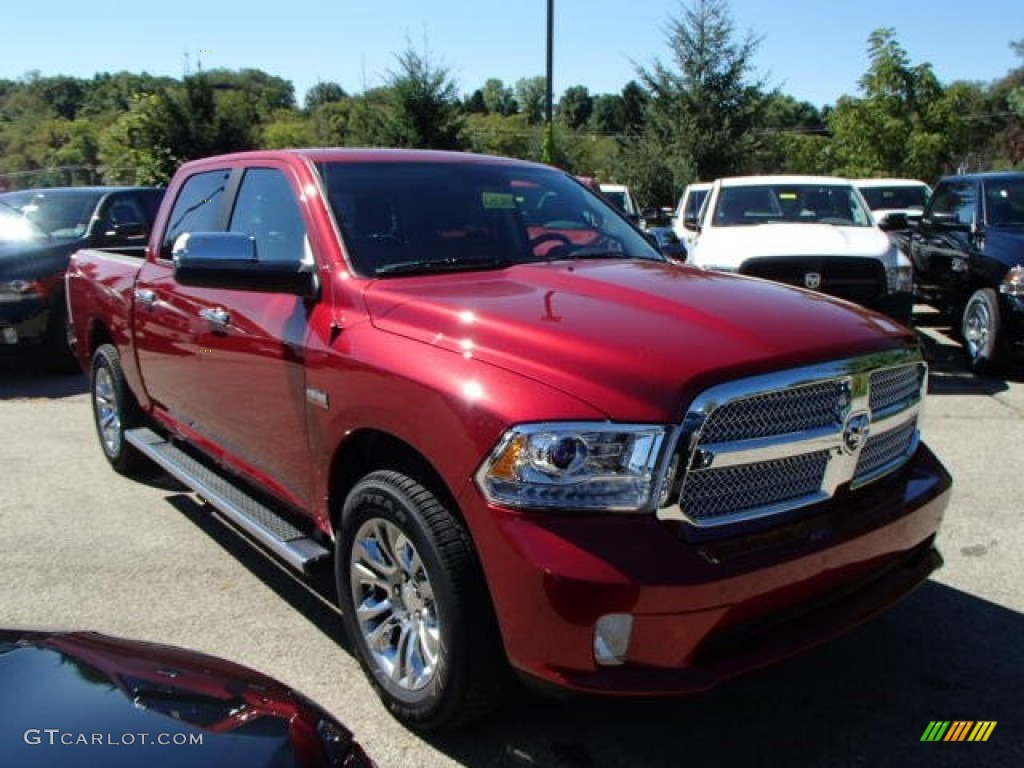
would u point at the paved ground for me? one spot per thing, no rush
(82, 547)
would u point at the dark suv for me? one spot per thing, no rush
(968, 254)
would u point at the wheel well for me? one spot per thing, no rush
(98, 335)
(367, 450)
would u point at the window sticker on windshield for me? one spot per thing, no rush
(787, 195)
(499, 201)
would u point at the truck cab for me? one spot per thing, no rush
(968, 255)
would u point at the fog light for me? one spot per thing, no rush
(10, 336)
(611, 639)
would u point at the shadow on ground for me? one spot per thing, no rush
(862, 700)
(948, 371)
(28, 376)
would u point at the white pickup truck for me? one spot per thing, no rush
(808, 231)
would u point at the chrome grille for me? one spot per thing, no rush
(892, 386)
(770, 444)
(775, 413)
(882, 449)
(718, 493)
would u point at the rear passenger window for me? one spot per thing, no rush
(197, 208)
(266, 209)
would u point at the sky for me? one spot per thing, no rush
(813, 50)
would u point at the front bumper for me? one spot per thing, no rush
(1013, 314)
(23, 321)
(702, 613)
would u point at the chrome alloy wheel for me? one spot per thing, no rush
(977, 327)
(108, 414)
(394, 605)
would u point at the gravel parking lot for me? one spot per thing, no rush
(85, 548)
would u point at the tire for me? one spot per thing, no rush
(415, 605)
(114, 410)
(981, 330)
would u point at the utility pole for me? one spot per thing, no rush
(549, 127)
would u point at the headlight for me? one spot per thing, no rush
(16, 290)
(900, 279)
(1013, 283)
(589, 465)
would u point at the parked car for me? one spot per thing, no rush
(968, 254)
(623, 199)
(687, 215)
(808, 231)
(895, 196)
(525, 441)
(896, 204)
(84, 699)
(667, 242)
(39, 230)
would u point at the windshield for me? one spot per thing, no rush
(896, 198)
(1004, 201)
(791, 203)
(16, 228)
(62, 216)
(408, 217)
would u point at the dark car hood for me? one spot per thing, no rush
(28, 261)
(634, 339)
(85, 683)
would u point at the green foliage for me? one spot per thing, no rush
(905, 123)
(424, 105)
(575, 107)
(704, 105)
(323, 93)
(492, 134)
(498, 98)
(531, 94)
(700, 114)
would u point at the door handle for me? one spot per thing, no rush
(145, 296)
(216, 317)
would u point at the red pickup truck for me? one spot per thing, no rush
(525, 441)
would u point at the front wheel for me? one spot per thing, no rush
(415, 606)
(114, 409)
(981, 329)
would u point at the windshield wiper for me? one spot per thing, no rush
(438, 265)
(590, 253)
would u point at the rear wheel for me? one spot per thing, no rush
(114, 410)
(981, 329)
(415, 605)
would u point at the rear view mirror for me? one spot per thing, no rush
(893, 221)
(229, 260)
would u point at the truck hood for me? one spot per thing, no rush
(731, 246)
(634, 339)
(30, 261)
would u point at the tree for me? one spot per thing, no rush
(609, 115)
(499, 99)
(705, 104)
(531, 93)
(475, 104)
(425, 110)
(634, 107)
(323, 93)
(575, 107)
(905, 123)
